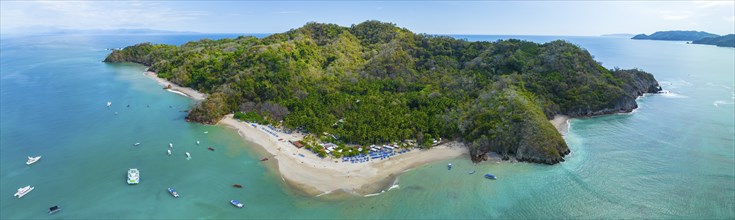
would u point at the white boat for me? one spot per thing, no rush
(188, 156)
(109, 104)
(170, 145)
(169, 152)
(173, 192)
(133, 176)
(23, 191)
(206, 132)
(136, 144)
(236, 203)
(32, 160)
(197, 142)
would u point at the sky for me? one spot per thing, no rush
(569, 18)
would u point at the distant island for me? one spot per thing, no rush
(722, 41)
(620, 35)
(376, 83)
(675, 35)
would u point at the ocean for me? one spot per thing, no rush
(674, 157)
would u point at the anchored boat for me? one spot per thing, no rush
(23, 191)
(236, 203)
(490, 176)
(53, 209)
(32, 160)
(173, 192)
(133, 176)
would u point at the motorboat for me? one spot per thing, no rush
(133, 176)
(449, 166)
(210, 148)
(169, 152)
(173, 192)
(23, 191)
(197, 142)
(264, 159)
(188, 155)
(237, 185)
(471, 172)
(136, 144)
(109, 104)
(206, 132)
(32, 160)
(170, 145)
(490, 176)
(236, 203)
(53, 209)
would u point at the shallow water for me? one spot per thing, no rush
(673, 158)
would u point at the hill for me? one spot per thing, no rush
(675, 35)
(722, 41)
(374, 82)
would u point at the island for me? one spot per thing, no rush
(675, 35)
(721, 41)
(345, 93)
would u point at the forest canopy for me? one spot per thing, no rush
(374, 82)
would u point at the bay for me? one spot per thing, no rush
(674, 157)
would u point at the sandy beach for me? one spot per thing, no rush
(185, 91)
(317, 176)
(561, 123)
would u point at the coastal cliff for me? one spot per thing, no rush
(375, 83)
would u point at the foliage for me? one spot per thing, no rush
(675, 35)
(722, 41)
(250, 117)
(377, 83)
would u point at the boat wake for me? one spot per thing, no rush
(720, 102)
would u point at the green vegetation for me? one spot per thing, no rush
(723, 41)
(251, 117)
(675, 35)
(376, 83)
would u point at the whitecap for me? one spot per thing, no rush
(669, 94)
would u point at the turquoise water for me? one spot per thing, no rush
(672, 158)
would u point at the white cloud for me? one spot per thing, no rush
(671, 15)
(710, 4)
(729, 19)
(92, 14)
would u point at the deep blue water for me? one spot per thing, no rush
(674, 157)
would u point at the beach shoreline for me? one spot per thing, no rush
(308, 174)
(175, 88)
(311, 175)
(561, 123)
(315, 176)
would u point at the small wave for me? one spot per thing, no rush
(669, 94)
(177, 92)
(374, 194)
(720, 102)
(324, 193)
(394, 187)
